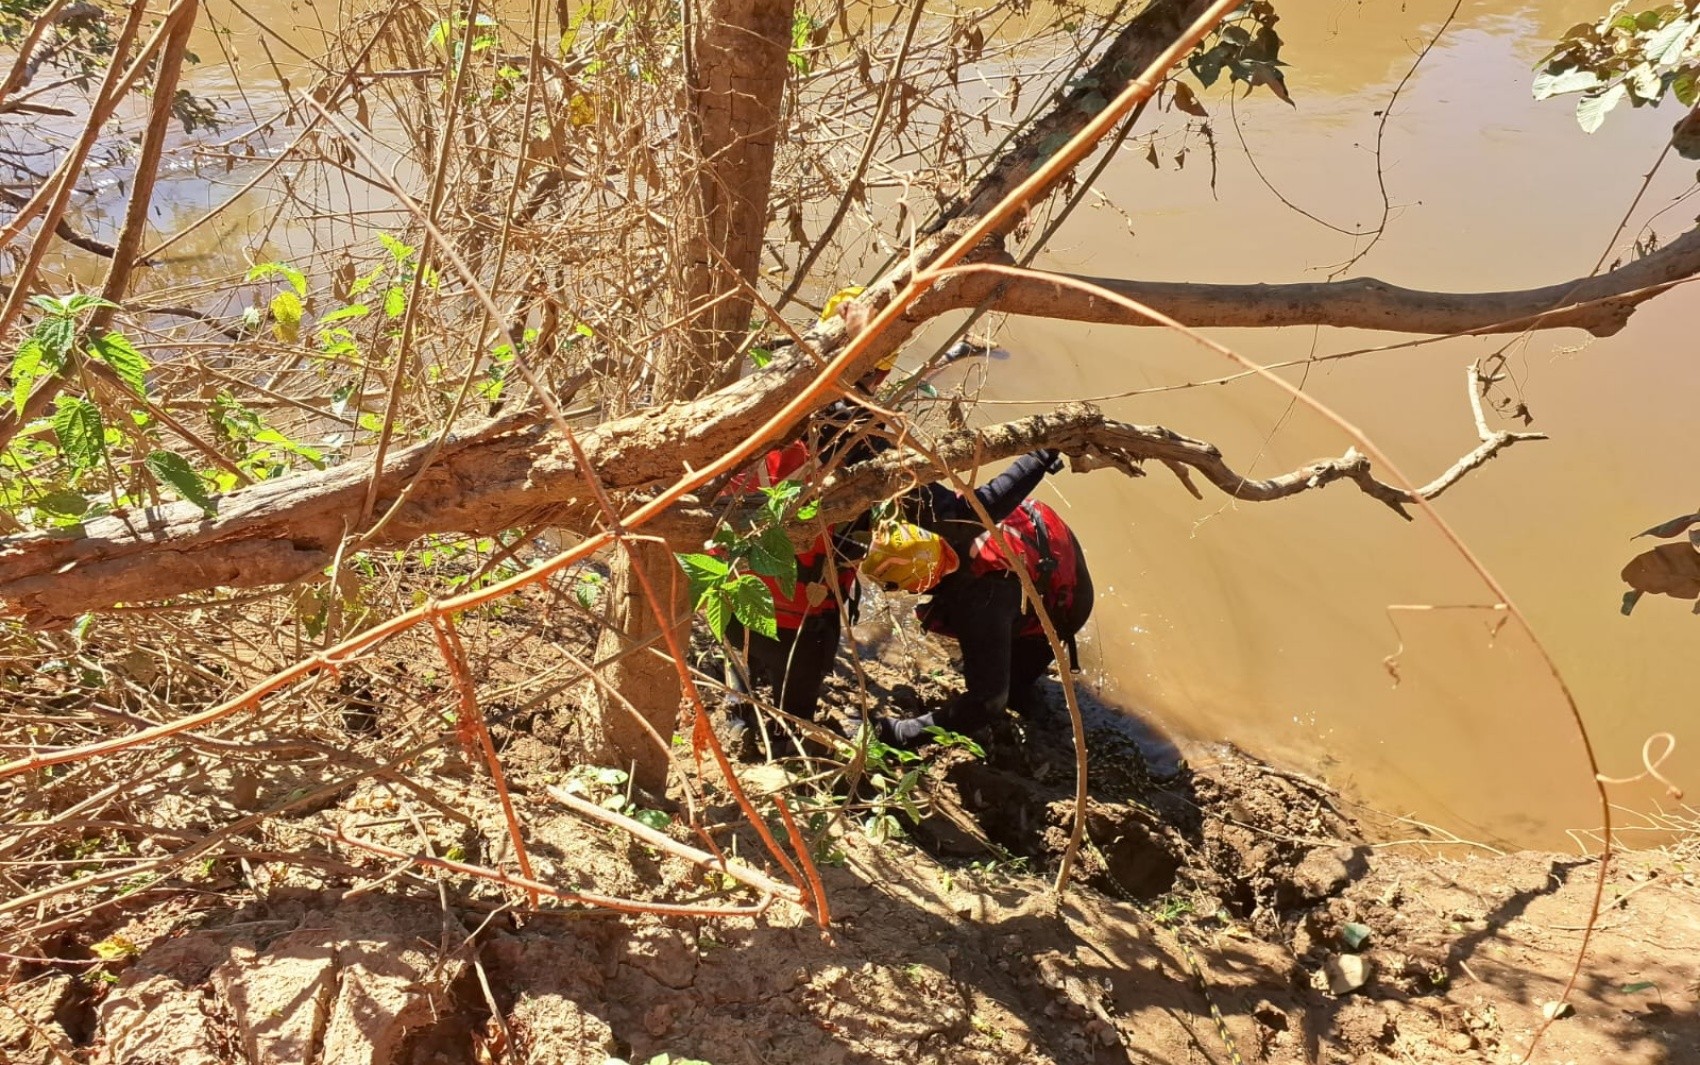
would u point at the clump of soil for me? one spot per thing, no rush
(1219, 904)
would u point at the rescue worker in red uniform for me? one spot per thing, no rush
(809, 621)
(975, 596)
(795, 664)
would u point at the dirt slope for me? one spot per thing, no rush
(1225, 889)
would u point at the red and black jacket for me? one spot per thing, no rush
(816, 570)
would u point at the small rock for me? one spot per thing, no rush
(1460, 1042)
(1552, 1011)
(1321, 873)
(1346, 972)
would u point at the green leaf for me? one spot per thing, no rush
(82, 436)
(772, 555)
(56, 335)
(364, 282)
(395, 302)
(716, 610)
(946, 738)
(752, 604)
(265, 271)
(761, 356)
(707, 576)
(175, 471)
(27, 368)
(704, 568)
(398, 251)
(353, 310)
(1637, 987)
(130, 365)
(1551, 84)
(1684, 86)
(272, 436)
(82, 301)
(65, 504)
(286, 310)
(1591, 111)
(113, 948)
(779, 496)
(655, 819)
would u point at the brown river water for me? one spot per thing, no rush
(1268, 624)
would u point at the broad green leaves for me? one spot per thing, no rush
(722, 593)
(1247, 48)
(175, 471)
(728, 583)
(81, 432)
(116, 351)
(33, 361)
(48, 348)
(1637, 57)
(287, 304)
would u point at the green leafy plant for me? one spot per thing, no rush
(727, 583)
(946, 738)
(806, 33)
(893, 777)
(49, 473)
(1246, 47)
(1637, 57)
(287, 304)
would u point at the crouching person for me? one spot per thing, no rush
(974, 595)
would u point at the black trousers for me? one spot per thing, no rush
(792, 667)
(999, 663)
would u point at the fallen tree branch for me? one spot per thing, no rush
(1094, 442)
(63, 229)
(509, 473)
(1601, 305)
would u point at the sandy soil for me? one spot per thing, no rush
(1225, 910)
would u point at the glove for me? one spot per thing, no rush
(1052, 458)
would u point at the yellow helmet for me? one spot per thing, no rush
(908, 557)
(841, 300)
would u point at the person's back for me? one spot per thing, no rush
(975, 596)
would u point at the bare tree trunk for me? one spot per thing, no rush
(644, 681)
(739, 72)
(740, 49)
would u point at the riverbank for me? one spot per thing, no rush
(1223, 907)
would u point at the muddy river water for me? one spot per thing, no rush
(1271, 624)
(1268, 624)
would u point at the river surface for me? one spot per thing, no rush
(1270, 625)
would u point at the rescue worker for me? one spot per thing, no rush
(794, 664)
(973, 594)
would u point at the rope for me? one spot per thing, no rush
(1209, 1000)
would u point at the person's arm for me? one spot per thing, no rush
(935, 507)
(1003, 493)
